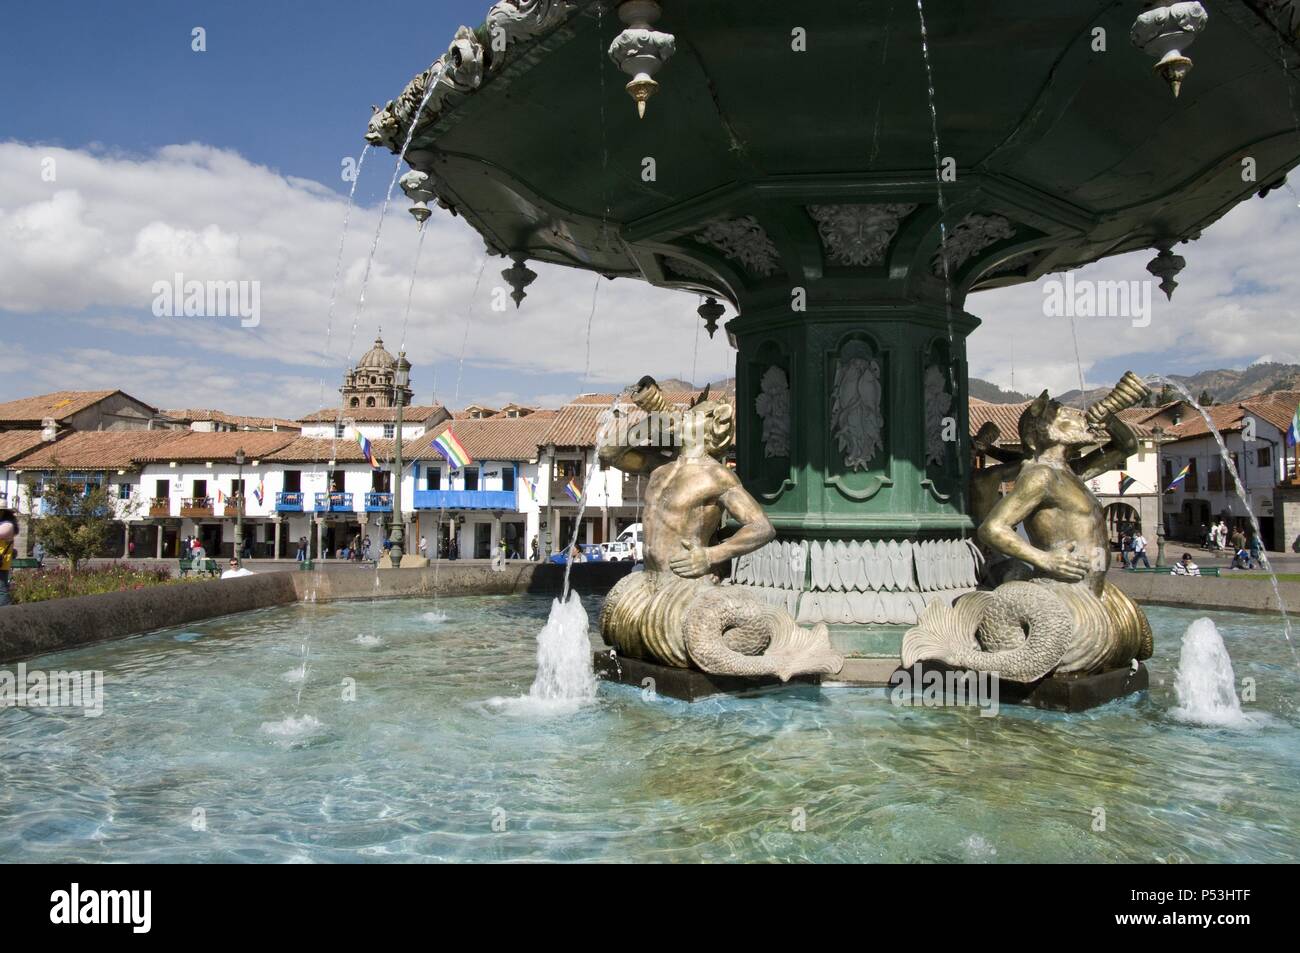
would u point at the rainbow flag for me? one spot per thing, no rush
(367, 450)
(1125, 481)
(219, 497)
(572, 490)
(529, 487)
(261, 490)
(1293, 432)
(1177, 481)
(447, 445)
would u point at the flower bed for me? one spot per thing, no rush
(57, 582)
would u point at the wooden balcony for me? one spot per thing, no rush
(160, 506)
(233, 506)
(196, 506)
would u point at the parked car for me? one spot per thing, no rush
(618, 552)
(590, 553)
(634, 536)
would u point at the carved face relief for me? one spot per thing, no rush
(856, 415)
(773, 406)
(859, 234)
(382, 128)
(465, 61)
(938, 403)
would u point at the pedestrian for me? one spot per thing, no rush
(1185, 567)
(1256, 551)
(1238, 540)
(424, 547)
(8, 533)
(130, 547)
(1222, 535)
(38, 554)
(197, 552)
(1139, 543)
(1126, 550)
(532, 550)
(235, 570)
(301, 555)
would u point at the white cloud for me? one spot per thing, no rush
(93, 242)
(1237, 299)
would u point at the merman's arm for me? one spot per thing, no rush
(756, 530)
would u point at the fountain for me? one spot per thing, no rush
(849, 267)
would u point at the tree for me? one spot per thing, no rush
(76, 516)
(1205, 400)
(1167, 395)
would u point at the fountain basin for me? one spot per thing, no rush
(427, 757)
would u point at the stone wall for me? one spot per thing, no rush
(1207, 592)
(39, 627)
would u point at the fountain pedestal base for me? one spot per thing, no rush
(1059, 693)
(685, 684)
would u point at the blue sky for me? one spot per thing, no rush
(228, 163)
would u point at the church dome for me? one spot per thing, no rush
(377, 357)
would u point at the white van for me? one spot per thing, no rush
(633, 537)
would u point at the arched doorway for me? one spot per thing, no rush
(1120, 519)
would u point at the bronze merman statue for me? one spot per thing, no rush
(1062, 615)
(676, 612)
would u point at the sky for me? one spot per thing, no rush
(125, 156)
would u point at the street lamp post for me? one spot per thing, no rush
(239, 509)
(402, 395)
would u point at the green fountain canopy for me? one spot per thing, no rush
(781, 145)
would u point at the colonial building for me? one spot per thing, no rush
(492, 500)
(1254, 431)
(378, 423)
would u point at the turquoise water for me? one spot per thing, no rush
(204, 727)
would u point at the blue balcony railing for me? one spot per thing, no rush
(464, 499)
(288, 502)
(379, 502)
(334, 502)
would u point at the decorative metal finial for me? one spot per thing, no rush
(1165, 266)
(640, 50)
(1164, 32)
(418, 187)
(710, 311)
(520, 277)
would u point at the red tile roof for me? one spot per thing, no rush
(372, 415)
(101, 450)
(232, 420)
(491, 438)
(324, 449)
(16, 443)
(192, 446)
(60, 405)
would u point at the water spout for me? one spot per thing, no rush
(1205, 683)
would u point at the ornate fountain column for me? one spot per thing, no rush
(853, 434)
